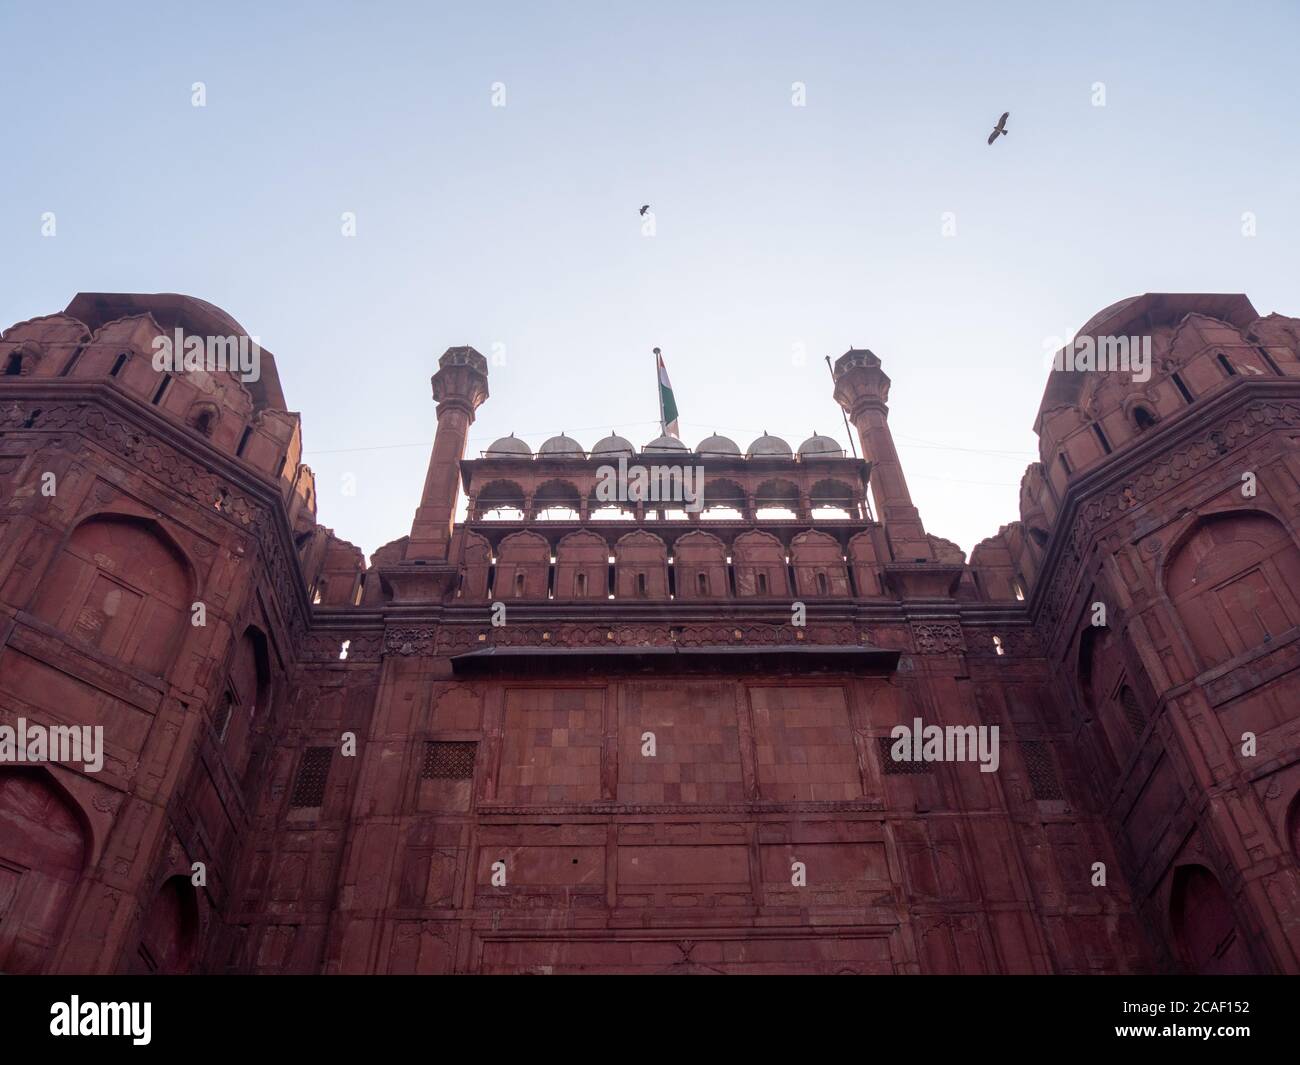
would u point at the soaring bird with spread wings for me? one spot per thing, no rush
(1001, 127)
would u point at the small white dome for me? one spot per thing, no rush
(718, 445)
(508, 445)
(664, 443)
(821, 445)
(770, 447)
(613, 445)
(561, 445)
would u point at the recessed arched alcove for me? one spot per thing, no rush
(169, 933)
(122, 586)
(43, 846)
(1204, 925)
(1232, 578)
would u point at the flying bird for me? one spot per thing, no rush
(644, 207)
(1001, 127)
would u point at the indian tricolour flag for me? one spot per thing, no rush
(667, 405)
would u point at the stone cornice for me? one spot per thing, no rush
(859, 611)
(670, 530)
(513, 811)
(67, 390)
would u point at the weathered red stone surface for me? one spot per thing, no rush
(521, 748)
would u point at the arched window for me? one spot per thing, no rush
(640, 584)
(557, 501)
(833, 499)
(724, 500)
(581, 585)
(248, 696)
(762, 584)
(1100, 668)
(14, 367)
(822, 587)
(702, 583)
(1143, 419)
(500, 501)
(776, 500)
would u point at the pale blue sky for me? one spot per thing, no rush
(776, 225)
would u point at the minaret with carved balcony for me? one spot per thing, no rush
(862, 389)
(459, 387)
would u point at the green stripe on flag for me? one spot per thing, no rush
(667, 405)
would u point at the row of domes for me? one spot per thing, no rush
(765, 447)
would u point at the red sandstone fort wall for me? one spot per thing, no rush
(347, 752)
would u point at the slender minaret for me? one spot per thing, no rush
(459, 387)
(862, 389)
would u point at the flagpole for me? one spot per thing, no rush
(663, 428)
